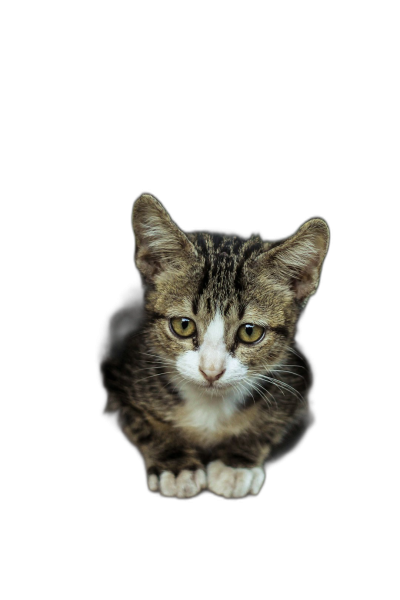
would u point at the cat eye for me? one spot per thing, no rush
(249, 333)
(183, 327)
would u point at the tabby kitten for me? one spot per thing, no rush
(212, 381)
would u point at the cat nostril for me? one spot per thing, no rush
(213, 377)
(219, 375)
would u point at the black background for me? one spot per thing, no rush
(222, 187)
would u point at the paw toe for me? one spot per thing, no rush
(221, 478)
(243, 479)
(186, 485)
(258, 480)
(168, 483)
(200, 478)
(153, 483)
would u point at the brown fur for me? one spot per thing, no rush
(194, 275)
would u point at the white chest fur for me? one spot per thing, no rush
(206, 412)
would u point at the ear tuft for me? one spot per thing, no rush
(160, 244)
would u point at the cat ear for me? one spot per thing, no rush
(160, 244)
(298, 260)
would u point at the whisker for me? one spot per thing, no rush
(157, 357)
(240, 385)
(260, 390)
(282, 384)
(156, 375)
(281, 371)
(266, 378)
(287, 387)
(294, 352)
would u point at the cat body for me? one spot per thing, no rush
(212, 381)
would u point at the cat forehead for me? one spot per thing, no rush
(217, 243)
(223, 261)
(217, 280)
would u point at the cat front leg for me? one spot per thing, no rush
(238, 469)
(174, 469)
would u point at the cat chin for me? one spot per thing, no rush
(214, 389)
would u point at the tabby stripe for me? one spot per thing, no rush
(255, 247)
(153, 471)
(156, 315)
(145, 439)
(280, 330)
(205, 279)
(170, 454)
(217, 240)
(237, 242)
(265, 440)
(242, 308)
(241, 460)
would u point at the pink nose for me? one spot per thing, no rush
(211, 376)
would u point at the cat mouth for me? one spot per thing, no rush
(208, 386)
(213, 385)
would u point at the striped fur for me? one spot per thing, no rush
(182, 423)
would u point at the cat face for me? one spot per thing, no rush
(223, 309)
(218, 344)
(210, 365)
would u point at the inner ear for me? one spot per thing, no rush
(305, 282)
(298, 260)
(160, 244)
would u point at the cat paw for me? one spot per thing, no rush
(233, 483)
(185, 485)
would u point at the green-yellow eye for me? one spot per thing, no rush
(249, 333)
(183, 327)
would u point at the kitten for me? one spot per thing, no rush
(212, 381)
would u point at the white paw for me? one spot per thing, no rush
(233, 483)
(185, 485)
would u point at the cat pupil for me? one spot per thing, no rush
(185, 323)
(249, 330)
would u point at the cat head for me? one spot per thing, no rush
(221, 308)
